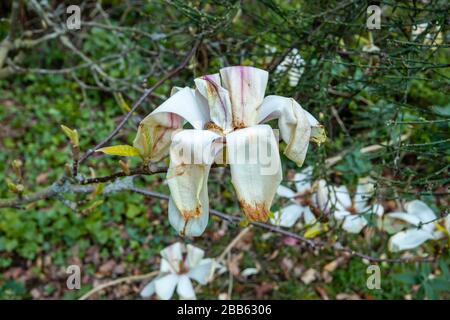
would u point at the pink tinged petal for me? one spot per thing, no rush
(420, 210)
(408, 239)
(191, 156)
(354, 224)
(287, 216)
(303, 180)
(255, 169)
(285, 192)
(185, 289)
(293, 123)
(155, 131)
(165, 286)
(194, 256)
(246, 86)
(148, 290)
(202, 271)
(218, 101)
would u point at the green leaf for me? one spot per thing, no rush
(121, 101)
(407, 277)
(120, 150)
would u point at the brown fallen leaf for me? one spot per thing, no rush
(309, 276)
(322, 293)
(347, 296)
(263, 288)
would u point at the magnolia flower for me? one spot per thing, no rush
(179, 264)
(425, 227)
(351, 211)
(227, 111)
(289, 215)
(294, 65)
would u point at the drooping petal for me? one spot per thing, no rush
(202, 271)
(218, 100)
(354, 224)
(293, 122)
(148, 290)
(246, 86)
(303, 180)
(191, 156)
(185, 289)
(285, 192)
(408, 239)
(165, 286)
(194, 256)
(155, 131)
(405, 217)
(420, 210)
(255, 169)
(287, 216)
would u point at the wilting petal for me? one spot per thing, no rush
(303, 180)
(202, 271)
(321, 198)
(447, 224)
(287, 216)
(293, 122)
(218, 100)
(405, 217)
(191, 156)
(246, 86)
(155, 131)
(171, 257)
(420, 210)
(194, 256)
(165, 286)
(285, 192)
(255, 174)
(148, 290)
(408, 239)
(354, 224)
(185, 289)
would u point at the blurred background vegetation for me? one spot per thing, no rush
(87, 79)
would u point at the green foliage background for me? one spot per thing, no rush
(402, 90)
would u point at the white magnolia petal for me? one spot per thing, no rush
(218, 100)
(287, 216)
(303, 180)
(165, 266)
(405, 217)
(247, 272)
(148, 290)
(408, 239)
(308, 216)
(246, 86)
(295, 128)
(255, 174)
(420, 210)
(354, 224)
(321, 198)
(172, 255)
(165, 286)
(341, 214)
(378, 209)
(202, 271)
(364, 191)
(191, 156)
(194, 256)
(185, 289)
(155, 131)
(285, 192)
(343, 198)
